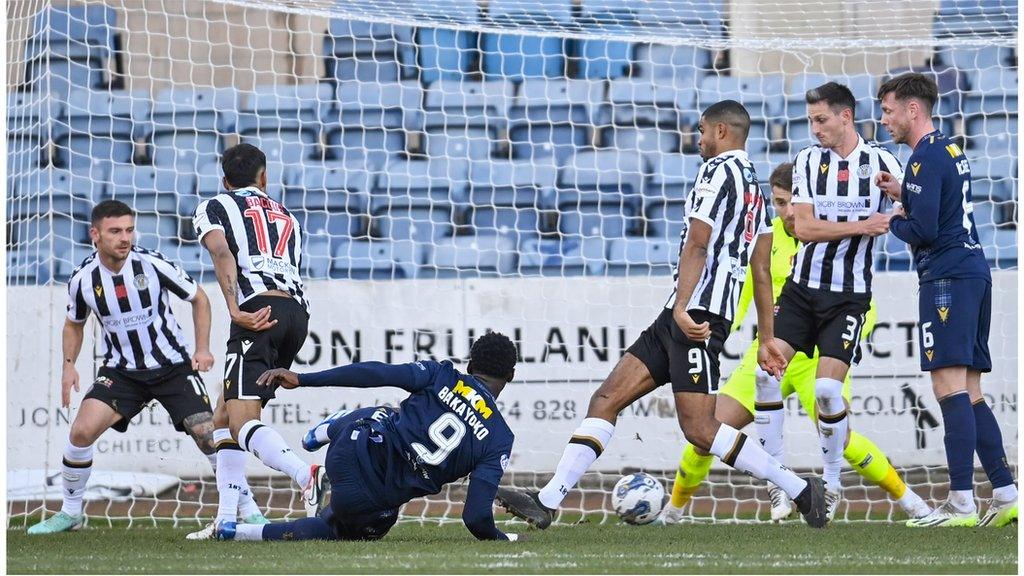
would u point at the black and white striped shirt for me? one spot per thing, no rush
(139, 329)
(840, 190)
(727, 197)
(264, 237)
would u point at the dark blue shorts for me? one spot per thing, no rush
(955, 319)
(355, 469)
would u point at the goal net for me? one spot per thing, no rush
(459, 166)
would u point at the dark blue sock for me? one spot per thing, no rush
(301, 529)
(990, 446)
(960, 438)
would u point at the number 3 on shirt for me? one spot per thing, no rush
(260, 219)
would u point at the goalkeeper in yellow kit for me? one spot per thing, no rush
(751, 394)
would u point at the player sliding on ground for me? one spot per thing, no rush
(728, 229)
(736, 400)
(380, 458)
(955, 299)
(144, 355)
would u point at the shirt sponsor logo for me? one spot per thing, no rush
(474, 398)
(271, 265)
(129, 321)
(915, 188)
(843, 207)
(954, 151)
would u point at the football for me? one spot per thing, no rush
(638, 498)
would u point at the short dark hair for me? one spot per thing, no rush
(729, 112)
(835, 95)
(242, 164)
(110, 209)
(911, 85)
(493, 354)
(782, 176)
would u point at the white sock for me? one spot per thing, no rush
(769, 413)
(230, 471)
(75, 470)
(963, 500)
(267, 445)
(733, 448)
(249, 532)
(246, 505)
(833, 426)
(909, 501)
(586, 444)
(1006, 493)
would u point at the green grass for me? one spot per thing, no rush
(582, 548)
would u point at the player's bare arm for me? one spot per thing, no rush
(809, 228)
(769, 357)
(279, 376)
(202, 360)
(71, 343)
(691, 264)
(224, 265)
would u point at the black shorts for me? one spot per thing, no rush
(672, 357)
(807, 318)
(178, 388)
(250, 354)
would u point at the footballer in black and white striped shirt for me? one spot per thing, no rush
(256, 247)
(839, 211)
(145, 355)
(727, 228)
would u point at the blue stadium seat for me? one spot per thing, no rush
(367, 52)
(891, 254)
(374, 259)
(863, 87)
(701, 19)
(517, 57)
(763, 96)
(30, 118)
(481, 255)
(60, 76)
(605, 59)
(553, 118)
(284, 121)
(1003, 250)
(370, 120)
(193, 259)
(641, 256)
(599, 194)
(993, 134)
(67, 261)
(102, 127)
(157, 231)
(74, 31)
(562, 257)
(462, 119)
(420, 182)
(509, 197)
(641, 103)
(678, 64)
(986, 188)
(332, 227)
(187, 123)
(765, 164)
(994, 92)
(328, 186)
(960, 18)
(419, 223)
(445, 54)
(155, 190)
(316, 258)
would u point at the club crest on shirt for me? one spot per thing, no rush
(747, 175)
(915, 168)
(864, 171)
(504, 461)
(141, 282)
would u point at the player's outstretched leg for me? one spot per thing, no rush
(769, 420)
(301, 529)
(693, 469)
(871, 463)
(629, 380)
(1001, 509)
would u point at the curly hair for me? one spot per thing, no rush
(493, 354)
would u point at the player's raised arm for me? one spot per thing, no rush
(410, 377)
(921, 225)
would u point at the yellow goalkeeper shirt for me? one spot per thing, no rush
(784, 249)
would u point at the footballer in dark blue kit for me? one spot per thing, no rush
(380, 458)
(955, 302)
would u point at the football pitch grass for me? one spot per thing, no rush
(580, 548)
